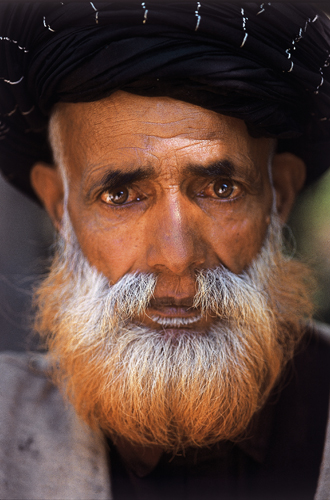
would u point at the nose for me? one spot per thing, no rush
(175, 241)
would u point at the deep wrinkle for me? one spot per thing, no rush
(117, 178)
(114, 179)
(174, 221)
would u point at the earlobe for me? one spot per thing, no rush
(289, 174)
(47, 183)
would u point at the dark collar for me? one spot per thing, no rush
(143, 460)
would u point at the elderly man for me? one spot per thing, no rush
(182, 361)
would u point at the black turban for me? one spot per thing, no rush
(266, 63)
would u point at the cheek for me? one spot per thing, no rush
(238, 238)
(112, 249)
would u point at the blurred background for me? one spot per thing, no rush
(310, 224)
(26, 237)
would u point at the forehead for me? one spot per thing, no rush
(153, 130)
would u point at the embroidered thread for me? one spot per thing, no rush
(24, 113)
(3, 130)
(297, 39)
(6, 39)
(145, 17)
(262, 8)
(96, 13)
(198, 16)
(325, 65)
(245, 19)
(12, 111)
(10, 82)
(47, 25)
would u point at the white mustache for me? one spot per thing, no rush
(219, 292)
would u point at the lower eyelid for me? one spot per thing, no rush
(126, 204)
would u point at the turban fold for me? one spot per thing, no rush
(266, 63)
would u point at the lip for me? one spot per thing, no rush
(176, 321)
(174, 316)
(173, 311)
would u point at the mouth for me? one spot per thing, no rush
(175, 321)
(169, 313)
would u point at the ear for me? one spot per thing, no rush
(47, 183)
(289, 174)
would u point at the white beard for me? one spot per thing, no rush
(189, 390)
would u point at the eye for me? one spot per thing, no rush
(123, 195)
(223, 189)
(115, 196)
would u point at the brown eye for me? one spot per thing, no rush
(223, 189)
(116, 197)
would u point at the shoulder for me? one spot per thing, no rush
(28, 399)
(322, 330)
(23, 377)
(46, 452)
(17, 364)
(309, 370)
(315, 346)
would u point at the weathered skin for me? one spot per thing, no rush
(174, 220)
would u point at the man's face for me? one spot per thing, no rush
(169, 202)
(157, 185)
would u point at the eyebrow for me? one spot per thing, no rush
(117, 178)
(114, 179)
(219, 168)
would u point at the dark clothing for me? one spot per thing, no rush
(279, 460)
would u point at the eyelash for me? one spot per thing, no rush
(233, 185)
(113, 190)
(236, 186)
